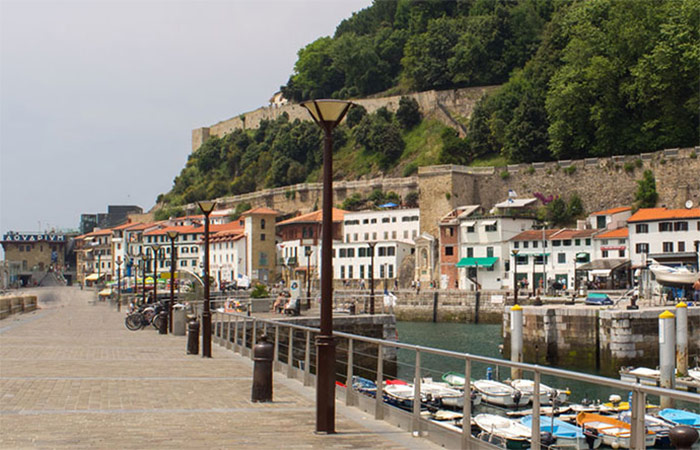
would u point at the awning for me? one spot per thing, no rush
(608, 265)
(93, 277)
(489, 222)
(480, 262)
(471, 223)
(601, 272)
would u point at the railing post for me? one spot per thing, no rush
(235, 335)
(229, 343)
(307, 360)
(244, 337)
(416, 397)
(276, 354)
(253, 337)
(265, 328)
(637, 412)
(290, 354)
(467, 408)
(349, 394)
(379, 403)
(536, 411)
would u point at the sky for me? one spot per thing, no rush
(98, 99)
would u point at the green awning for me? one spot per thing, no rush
(481, 262)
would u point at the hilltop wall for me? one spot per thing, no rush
(447, 106)
(600, 182)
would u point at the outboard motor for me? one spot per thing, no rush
(517, 395)
(547, 440)
(591, 436)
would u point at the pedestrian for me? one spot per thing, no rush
(417, 286)
(696, 291)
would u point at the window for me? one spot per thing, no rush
(342, 253)
(381, 271)
(605, 253)
(354, 237)
(493, 227)
(588, 241)
(641, 248)
(449, 251)
(521, 260)
(526, 244)
(556, 243)
(539, 259)
(385, 220)
(351, 253)
(681, 246)
(391, 251)
(621, 253)
(350, 271)
(262, 224)
(680, 226)
(414, 233)
(386, 235)
(600, 222)
(342, 271)
(381, 251)
(489, 252)
(470, 252)
(668, 247)
(604, 242)
(365, 221)
(347, 238)
(405, 234)
(561, 258)
(470, 229)
(567, 242)
(391, 270)
(641, 228)
(665, 226)
(262, 236)
(451, 231)
(534, 244)
(373, 221)
(362, 252)
(516, 244)
(362, 271)
(577, 242)
(366, 236)
(393, 234)
(393, 220)
(374, 236)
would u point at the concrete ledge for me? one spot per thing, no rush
(17, 305)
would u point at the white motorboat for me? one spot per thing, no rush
(613, 432)
(500, 394)
(547, 394)
(502, 431)
(668, 275)
(448, 397)
(694, 374)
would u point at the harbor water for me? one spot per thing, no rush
(483, 340)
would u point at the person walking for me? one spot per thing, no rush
(696, 291)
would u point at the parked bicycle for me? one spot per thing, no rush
(144, 315)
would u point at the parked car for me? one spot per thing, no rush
(598, 299)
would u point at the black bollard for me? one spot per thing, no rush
(193, 338)
(262, 371)
(547, 440)
(683, 436)
(162, 322)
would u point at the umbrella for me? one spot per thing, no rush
(105, 293)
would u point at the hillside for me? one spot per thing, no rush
(579, 79)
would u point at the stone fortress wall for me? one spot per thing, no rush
(448, 106)
(600, 182)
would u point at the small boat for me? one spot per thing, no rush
(429, 383)
(613, 432)
(445, 396)
(680, 417)
(694, 374)
(364, 386)
(547, 394)
(401, 396)
(568, 435)
(504, 432)
(500, 394)
(454, 379)
(667, 275)
(659, 426)
(615, 404)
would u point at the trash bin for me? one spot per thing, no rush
(262, 370)
(193, 338)
(179, 320)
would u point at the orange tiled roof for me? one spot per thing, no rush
(215, 228)
(260, 210)
(618, 233)
(315, 217)
(612, 211)
(568, 233)
(164, 230)
(649, 214)
(227, 236)
(534, 235)
(102, 232)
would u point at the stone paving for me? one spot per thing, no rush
(71, 375)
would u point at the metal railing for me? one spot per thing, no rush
(239, 332)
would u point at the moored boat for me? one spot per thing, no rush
(694, 374)
(659, 426)
(613, 432)
(502, 431)
(445, 396)
(680, 417)
(401, 396)
(673, 276)
(547, 394)
(500, 394)
(568, 435)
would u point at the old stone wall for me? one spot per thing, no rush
(449, 106)
(587, 337)
(450, 306)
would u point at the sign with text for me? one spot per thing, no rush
(33, 237)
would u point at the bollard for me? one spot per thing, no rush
(682, 339)
(262, 371)
(516, 339)
(193, 338)
(683, 437)
(162, 322)
(667, 354)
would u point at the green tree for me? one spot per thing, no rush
(408, 114)
(355, 115)
(574, 209)
(646, 195)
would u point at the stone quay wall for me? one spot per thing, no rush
(17, 304)
(586, 337)
(449, 306)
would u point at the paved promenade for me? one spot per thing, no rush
(72, 376)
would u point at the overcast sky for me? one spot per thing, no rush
(98, 98)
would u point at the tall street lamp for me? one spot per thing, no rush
(207, 206)
(308, 278)
(371, 276)
(327, 114)
(156, 249)
(172, 235)
(515, 276)
(145, 257)
(118, 262)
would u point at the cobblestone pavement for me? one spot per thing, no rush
(71, 375)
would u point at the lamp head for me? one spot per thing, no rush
(515, 252)
(172, 234)
(207, 206)
(327, 113)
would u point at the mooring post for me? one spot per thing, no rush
(435, 306)
(516, 339)
(667, 354)
(682, 339)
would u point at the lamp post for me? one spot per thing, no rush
(327, 114)
(156, 249)
(145, 257)
(371, 276)
(172, 235)
(207, 206)
(308, 278)
(118, 262)
(515, 276)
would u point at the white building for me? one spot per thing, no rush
(669, 236)
(609, 219)
(402, 225)
(352, 262)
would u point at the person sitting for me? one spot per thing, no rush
(278, 305)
